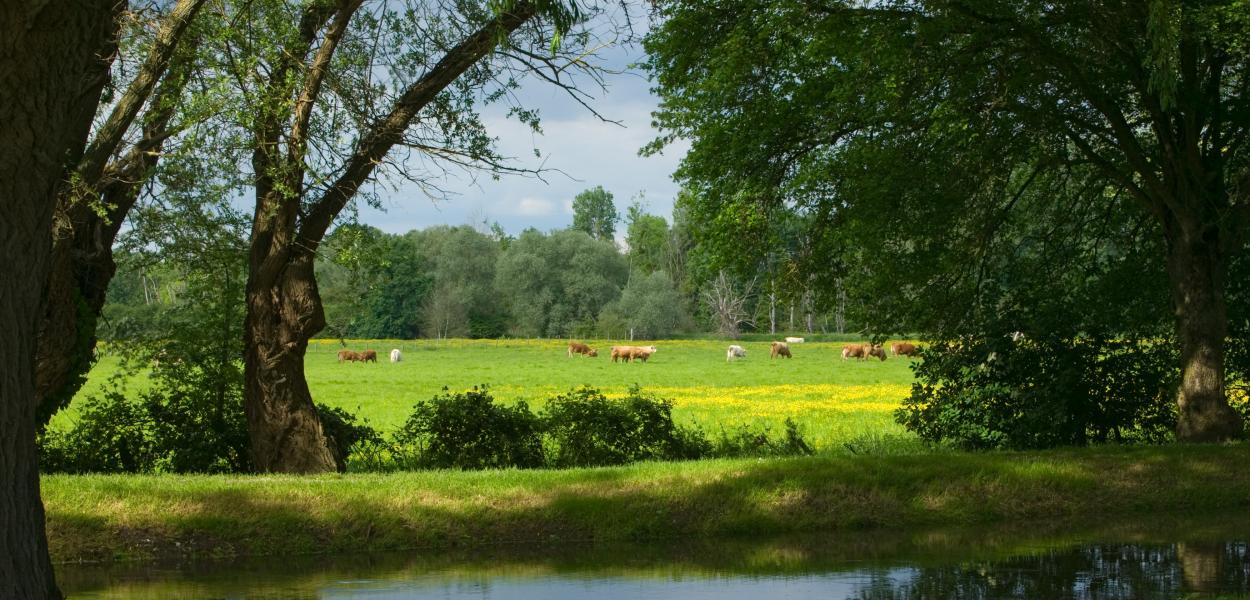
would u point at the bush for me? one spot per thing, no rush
(112, 435)
(980, 394)
(584, 428)
(467, 430)
(344, 434)
(747, 441)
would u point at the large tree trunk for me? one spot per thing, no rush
(1196, 268)
(82, 250)
(54, 59)
(82, 266)
(282, 420)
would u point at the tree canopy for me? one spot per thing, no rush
(981, 165)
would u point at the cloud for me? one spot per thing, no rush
(578, 151)
(535, 207)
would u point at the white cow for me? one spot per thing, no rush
(794, 340)
(735, 351)
(396, 356)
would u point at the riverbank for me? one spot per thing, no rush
(127, 517)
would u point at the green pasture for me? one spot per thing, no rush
(834, 401)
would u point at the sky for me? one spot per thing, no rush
(581, 151)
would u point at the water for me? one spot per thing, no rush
(1156, 557)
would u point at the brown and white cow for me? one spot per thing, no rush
(580, 348)
(348, 355)
(904, 349)
(369, 356)
(855, 351)
(776, 349)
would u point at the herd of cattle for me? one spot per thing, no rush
(642, 353)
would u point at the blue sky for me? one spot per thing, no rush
(581, 150)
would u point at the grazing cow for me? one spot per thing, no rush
(348, 355)
(856, 351)
(629, 353)
(907, 349)
(877, 351)
(396, 356)
(642, 352)
(794, 340)
(735, 351)
(779, 349)
(369, 356)
(580, 348)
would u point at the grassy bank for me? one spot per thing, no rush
(133, 517)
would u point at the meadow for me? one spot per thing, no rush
(835, 402)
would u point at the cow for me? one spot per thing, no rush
(642, 352)
(396, 355)
(629, 353)
(794, 340)
(735, 351)
(856, 351)
(779, 349)
(348, 355)
(904, 349)
(580, 348)
(877, 351)
(369, 356)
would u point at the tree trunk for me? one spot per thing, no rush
(82, 266)
(54, 59)
(772, 312)
(1196, 269)
(282, 420)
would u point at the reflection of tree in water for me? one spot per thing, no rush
(1101, 572)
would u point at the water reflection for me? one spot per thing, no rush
(1164, 558)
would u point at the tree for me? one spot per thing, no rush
(651, 307)
(105, 180)
(647, 238)
(463, 301)
(929, 118)
(555, 283)
(727, 304)
(324, 98)
(57, 58)
(595, 213)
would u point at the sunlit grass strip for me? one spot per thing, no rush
(123, 517)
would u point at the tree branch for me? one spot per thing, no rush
(389, 131)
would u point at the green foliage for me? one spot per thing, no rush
(647, 239)
(111, 435)
(745, 440)
(468, 430)
(346, 433)
(595, 213)
(650, 306)
(996, 393)
(553, 283)
(584, 428)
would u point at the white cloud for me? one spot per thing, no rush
(535, 207)
(578, 151)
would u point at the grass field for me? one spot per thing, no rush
(834, 401)
(104, 517)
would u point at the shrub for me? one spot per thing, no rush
(344, 433)
(584, 428)
(980, 394)
(111, 435)
(747, 441)
(468, 430)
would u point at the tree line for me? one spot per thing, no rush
(475, 282)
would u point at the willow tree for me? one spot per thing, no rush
(332, 94)
(104, 181)
(948, 111)
(54, 62)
